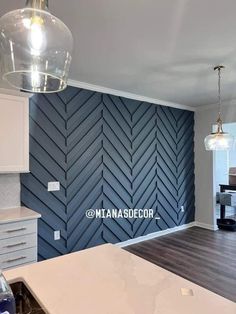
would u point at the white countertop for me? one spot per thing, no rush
(109, 280)
(8, 215)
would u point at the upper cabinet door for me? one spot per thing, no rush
(14, 134)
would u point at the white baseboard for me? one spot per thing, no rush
(155, 235)
(167, 231)
(206, 226)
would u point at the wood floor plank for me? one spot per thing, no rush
(202, 256)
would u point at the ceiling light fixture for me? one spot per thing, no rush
(219, 140)
(35, 48)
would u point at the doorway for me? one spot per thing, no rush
(222, 162)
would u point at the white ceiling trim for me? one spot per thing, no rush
(232, 102)
(115, 92)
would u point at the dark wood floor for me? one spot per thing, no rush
(202, 256)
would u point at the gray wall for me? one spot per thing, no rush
(107, 152)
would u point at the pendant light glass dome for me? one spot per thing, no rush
(35, 49)
(219, 140)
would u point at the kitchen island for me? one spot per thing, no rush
(109, 280)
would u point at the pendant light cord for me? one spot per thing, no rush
(219, 120)
(219, 90)
(37, 4)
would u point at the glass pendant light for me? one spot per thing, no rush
(35, 49)
(219, 140)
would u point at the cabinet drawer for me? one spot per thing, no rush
(18, 243)
(18, 258)
(15, 229)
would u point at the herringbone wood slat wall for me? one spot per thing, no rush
(107, 152)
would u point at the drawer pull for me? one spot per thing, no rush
(14, 245)
(16, 230)
(15, 259)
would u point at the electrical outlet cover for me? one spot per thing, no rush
(57, 235)
(53, 186)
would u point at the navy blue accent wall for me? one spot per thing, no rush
(107, 152)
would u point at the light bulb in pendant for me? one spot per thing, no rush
(36, 36)
(35, 78)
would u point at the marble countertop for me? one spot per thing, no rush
(8, 215)
(109, 280)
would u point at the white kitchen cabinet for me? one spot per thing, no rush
(18, 237)
(14, 132)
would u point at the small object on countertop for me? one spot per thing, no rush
(228, 198)
(232, 176)
(7, 301)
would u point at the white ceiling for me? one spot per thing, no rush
(162, 49)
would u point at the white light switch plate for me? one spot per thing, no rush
(53, 186)
(57, 235)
